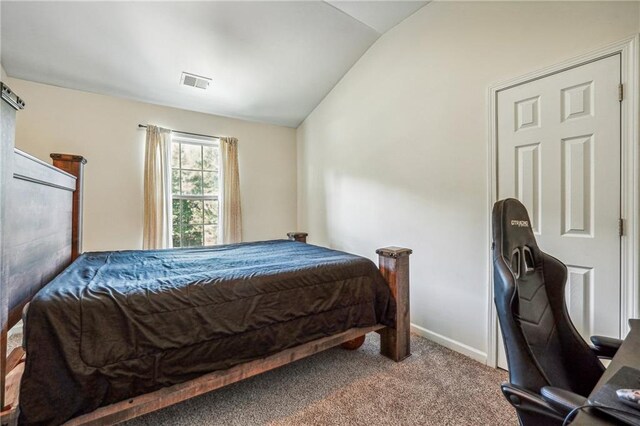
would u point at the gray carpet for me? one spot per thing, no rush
(435, 386)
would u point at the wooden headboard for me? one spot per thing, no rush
(40, 221)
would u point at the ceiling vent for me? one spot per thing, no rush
(196, 81)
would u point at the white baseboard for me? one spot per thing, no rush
(466, 350)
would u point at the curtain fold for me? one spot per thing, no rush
(157, 189)
(230, 210)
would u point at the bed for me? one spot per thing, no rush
(113, 335)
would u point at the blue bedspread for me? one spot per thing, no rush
(119, 324)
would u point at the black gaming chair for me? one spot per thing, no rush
(551, 368)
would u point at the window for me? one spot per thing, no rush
(194, 187)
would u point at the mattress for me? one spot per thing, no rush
(114, 325)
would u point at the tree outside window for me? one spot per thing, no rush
(194, 184)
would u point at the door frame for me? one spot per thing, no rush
(629, 169)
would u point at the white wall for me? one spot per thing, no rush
(397, 152)
(105, 130)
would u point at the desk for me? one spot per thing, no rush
(629, 355)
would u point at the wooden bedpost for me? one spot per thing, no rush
(74, 165)
(298, 236)
(395, 343)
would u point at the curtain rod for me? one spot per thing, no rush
(143, 126)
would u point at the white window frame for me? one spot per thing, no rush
(201, 141)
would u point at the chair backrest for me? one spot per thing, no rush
(543, 347)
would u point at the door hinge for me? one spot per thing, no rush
(620, 92)
(621, 227)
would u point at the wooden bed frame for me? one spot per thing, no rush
(45, 237)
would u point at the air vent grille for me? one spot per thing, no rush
(196, 81)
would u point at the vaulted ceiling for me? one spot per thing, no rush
(269, 61)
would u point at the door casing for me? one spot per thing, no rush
(630, 202)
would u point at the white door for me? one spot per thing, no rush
(559, 154)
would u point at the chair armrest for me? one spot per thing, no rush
(562, 400)
(605, 347)
(525, 400)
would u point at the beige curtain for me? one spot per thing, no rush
(157, 189)
(230, 211)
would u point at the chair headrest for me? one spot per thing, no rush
(512, 234)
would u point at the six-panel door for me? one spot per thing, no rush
(559, 154)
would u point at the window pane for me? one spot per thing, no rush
(191, 183)
(191, 156)
(210, 157)
(192, 211)
(194, 174)
(175, 182)
(210, 183)
(175, 154)
(210, 235)
(211, 211)
(192, 235)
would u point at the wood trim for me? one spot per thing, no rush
(72, 158)
(298, 236)
(13, 384)
(10, 412)
(15, 357)
(165, 397)
(3, 368)
(74, 165)
(15, 369)
(395, 343)
(15, 313)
